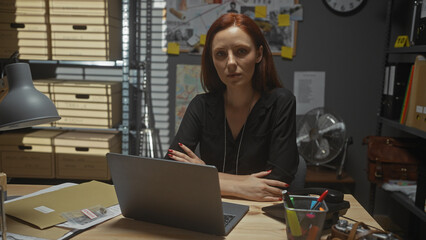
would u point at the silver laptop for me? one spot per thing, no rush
(172, 193)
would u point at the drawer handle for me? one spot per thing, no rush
(21, 147)
(82, 149)
(17, 25)
(82, 96)
(79, 27)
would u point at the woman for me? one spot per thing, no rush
(245, 122)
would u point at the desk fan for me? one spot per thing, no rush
(321, 137)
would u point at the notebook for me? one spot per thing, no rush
(172, 193)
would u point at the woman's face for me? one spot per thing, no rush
(235, 56)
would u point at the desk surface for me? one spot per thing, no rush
(255, 225)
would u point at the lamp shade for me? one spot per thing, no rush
(24, 106)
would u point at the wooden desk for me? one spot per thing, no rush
(255, 225)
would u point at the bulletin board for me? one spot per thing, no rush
(189, 20)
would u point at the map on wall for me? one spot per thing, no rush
(188, 85)
(189, 20)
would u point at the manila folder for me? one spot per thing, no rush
(45, 210)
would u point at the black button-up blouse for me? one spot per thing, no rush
(268, 141)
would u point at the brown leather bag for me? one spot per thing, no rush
(391, 158)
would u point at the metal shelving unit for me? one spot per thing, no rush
(409, 205)
(116, 63)
(397, 125)
(130, 119)
(404, 55)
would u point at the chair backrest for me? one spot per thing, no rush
(299, 179)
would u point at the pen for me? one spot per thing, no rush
(320, 199)
(288, 199)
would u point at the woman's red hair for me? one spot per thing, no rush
(265, 76)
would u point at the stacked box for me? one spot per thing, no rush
(85, 29)
(82, 155)
(44, 87)
(28, 154)
(23, 28)
(87, 104)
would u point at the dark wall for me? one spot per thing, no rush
(351, 52)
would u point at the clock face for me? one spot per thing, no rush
(345, 7)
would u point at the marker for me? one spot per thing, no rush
(320, 199)
(287, 199)
(313, 233)
(293, 223)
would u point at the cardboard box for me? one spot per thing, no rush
(43, 87)
(28, 50)
(85, 113)
(28, 164)
(92, 20)
(86, 150)
(26, 41)
(88, 110)
(80, 35)
(81, 28)
(79, 58)
(110, 8)
(88, 52)
(83, 97)
(100, 41)
(76, 4)
(87, 104)
(82, 155)
(86, 43)
(33, 57)
(22, 18)
(23, 27)
(32, 137)
(98, 115)
(28, 154)
(89, 118)
(84, 139)
(11, 43)
(87, 122)
(14, 4)
(86, 87)
(23, 6)
(71, 166)
(83, 105)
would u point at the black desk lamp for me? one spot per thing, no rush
(22, 106)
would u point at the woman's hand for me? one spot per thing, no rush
(189, 157)
(252, 187)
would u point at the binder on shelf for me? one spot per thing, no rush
(396, 79)
(420, 25)
(416, 111)
(407, 97)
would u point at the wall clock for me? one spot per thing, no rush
(345, 7)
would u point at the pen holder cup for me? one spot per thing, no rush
(302, 221)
